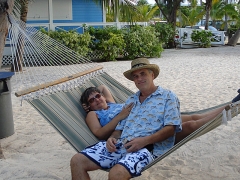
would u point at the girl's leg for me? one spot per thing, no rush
(195, 117)
(190, 123)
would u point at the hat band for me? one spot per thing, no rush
(138, 65)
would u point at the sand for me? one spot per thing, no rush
(201, 78)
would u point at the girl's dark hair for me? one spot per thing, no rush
(87, 93)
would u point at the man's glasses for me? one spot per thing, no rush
(97, 96)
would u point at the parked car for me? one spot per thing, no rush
(218, 23)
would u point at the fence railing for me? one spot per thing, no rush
(218, 37)
(79, 26)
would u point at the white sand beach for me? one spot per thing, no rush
(201, 78)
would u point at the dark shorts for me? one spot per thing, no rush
(134, 162)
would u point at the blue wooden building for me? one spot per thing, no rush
(58, 13)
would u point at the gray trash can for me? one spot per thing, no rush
(6, 115)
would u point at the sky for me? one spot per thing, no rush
(185, 2)
(151, 1)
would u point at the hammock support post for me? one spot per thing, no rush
(6, 114)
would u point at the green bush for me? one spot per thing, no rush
(141, 42)
(72, 39)
(108, 40)
(165, 33)
(112, 47)
(203, 38)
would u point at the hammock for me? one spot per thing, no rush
(64, 112)
(52, 78)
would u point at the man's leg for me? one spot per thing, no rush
(118, 172)
(131, 165)
(80, 164)
(92, 158)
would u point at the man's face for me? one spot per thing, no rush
(143, 78)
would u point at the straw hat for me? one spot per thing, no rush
(141, 63)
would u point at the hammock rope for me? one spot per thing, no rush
(46, 63)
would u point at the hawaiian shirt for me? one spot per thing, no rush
(159, 109)
(105, 116)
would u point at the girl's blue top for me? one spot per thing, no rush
(105, 116)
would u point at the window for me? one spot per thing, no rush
(38, 10)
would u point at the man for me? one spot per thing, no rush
(145, 134)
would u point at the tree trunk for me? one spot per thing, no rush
(17, 61)
(234, 39)
(170, 14)
(208, 8)
(5, 7)
(226, 19)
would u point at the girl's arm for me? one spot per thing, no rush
(106, 93)
(104, 132)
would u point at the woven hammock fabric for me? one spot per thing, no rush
(64, 112)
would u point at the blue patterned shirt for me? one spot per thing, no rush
(160, 109)
(105, 116)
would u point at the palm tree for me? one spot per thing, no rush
(208, 7)
(125, 13)
(234, 39)
(193, 16)
(169, 9)
(220, 10)
(142, 12)
(145, 13)
(142, 2)
(117, 8)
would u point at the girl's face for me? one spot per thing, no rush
(97, 101)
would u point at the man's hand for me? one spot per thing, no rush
(111, 144)
(135, 144)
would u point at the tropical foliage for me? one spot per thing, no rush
(141, 13)
(220, 9)
(73, 40)
(127, 43)
(142, 41)
(165, 32)
(108, 42)
(192, 15)
(202, 38)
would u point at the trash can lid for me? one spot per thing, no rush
(5, 75)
